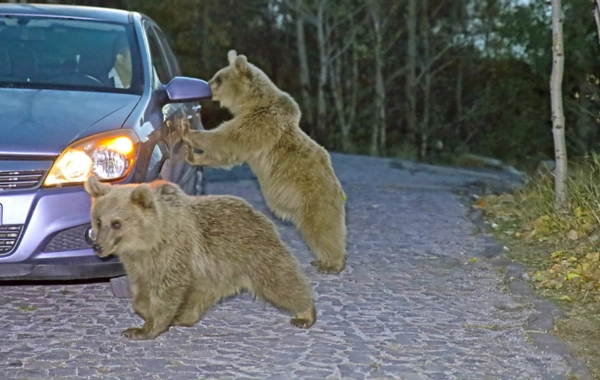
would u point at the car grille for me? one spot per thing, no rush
(19, 180)
(69, 240)
(9, 236)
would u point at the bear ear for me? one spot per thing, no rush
(142, 196)
(231, 54)
(241, 63)
(94, 188)
(166, 188)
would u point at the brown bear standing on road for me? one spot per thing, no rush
(294, 172)
(182, 254)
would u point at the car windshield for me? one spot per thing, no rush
(62, 53)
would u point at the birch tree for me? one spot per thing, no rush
(303, 61)
(558, 118)
(344, 86)
(411, 67)
(386, 31)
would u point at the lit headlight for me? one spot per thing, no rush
(110, 156)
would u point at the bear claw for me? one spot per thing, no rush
(301, 323)
(136, 333)
(324, 268)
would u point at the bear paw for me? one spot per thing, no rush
(137, 333)
(327, 268)
(301, 323)
(188, 152)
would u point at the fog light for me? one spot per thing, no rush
(90, 236)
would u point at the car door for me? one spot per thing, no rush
(170, 150)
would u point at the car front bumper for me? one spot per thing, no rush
(51, 243)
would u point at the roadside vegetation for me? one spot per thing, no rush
(561, 250)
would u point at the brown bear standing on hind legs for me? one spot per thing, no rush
(294, 172)
(183, 254)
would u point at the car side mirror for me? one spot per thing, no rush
(185, 89)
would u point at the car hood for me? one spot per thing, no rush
(44, 122)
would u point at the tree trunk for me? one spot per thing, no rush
(558, 117)
(337, 91)
(321, 134)
(411, 76)
(345, 91)
(353, 85)
(597, 17)
(303, 61)
(459, 91)
(378, 135)
(206, 48)
(425, 127)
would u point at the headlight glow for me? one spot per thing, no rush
(109, 156)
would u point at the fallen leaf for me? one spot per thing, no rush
(573, 235)
(566, 298)
(474, 259)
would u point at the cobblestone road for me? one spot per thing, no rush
(408, 306)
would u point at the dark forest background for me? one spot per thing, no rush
(418, 79)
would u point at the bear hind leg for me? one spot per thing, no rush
(290, 292)
(324, 232)
(193, 309)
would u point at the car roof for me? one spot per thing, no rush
(69, 11)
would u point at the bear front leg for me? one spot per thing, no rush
(140, 297)
(221, 143)
(204, 159)
(141, 304)
(161, 312)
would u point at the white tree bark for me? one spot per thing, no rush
(426, 120)
(597, 17)
(411, 67)
(558, 117)
(323, 72)
(344, 87)
(378, 135)
(303, 61)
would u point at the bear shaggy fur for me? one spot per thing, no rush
(183, 254)
(294, 172)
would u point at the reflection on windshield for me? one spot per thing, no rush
(65, 53)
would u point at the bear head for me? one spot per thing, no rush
(240, 84)
(125, 218)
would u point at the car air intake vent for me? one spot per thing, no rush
(9, 236)
(19, 180)
(70, 239)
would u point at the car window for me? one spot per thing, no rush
(159, 62)
(45, 52)
(170, 56)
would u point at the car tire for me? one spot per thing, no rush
(120, 287)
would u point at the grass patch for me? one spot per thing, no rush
(561, 251)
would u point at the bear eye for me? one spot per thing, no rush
(219, 80)
(115, 225)
(99, 222)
